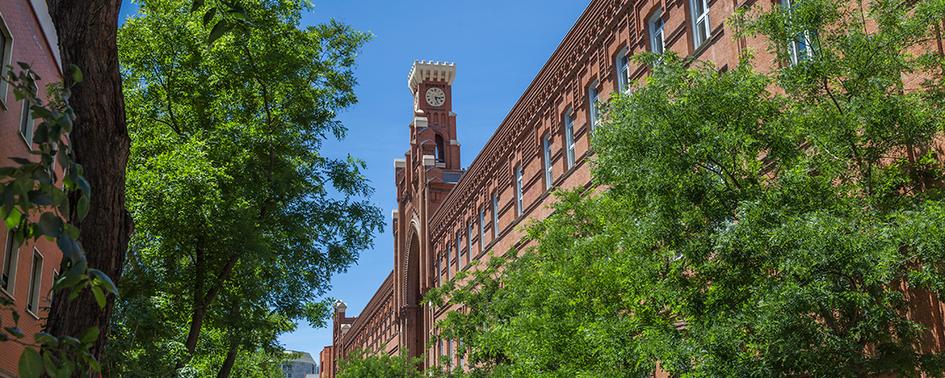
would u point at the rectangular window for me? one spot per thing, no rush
(36, 275)
(6, 59)
(519, 201)
(592, 97)
(700, 21)
(8, 277)
(800, 47)
(546, 147)
(26, 123)
(469, 238)
(482, 228)
(569, 137)
(657, 44)
(459, 249)
(495, 216)
(439, 271)
(623, 71)
(449, 259)
(449, 352)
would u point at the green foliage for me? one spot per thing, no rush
(367, 366)
(752, 224)
(37, 201)
(240, 219)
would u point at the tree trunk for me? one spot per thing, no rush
(229, 361)
(87, 33)
(196, 322)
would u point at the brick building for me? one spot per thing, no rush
(26, 35)
(448, 217)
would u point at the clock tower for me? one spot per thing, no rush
(424, 178)
(431, 84)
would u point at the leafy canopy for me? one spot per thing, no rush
(241, 221)
(752, 224)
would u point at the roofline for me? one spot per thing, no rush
(474, 168)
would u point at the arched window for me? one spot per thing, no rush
(440, 153)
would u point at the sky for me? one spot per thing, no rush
(498, 47)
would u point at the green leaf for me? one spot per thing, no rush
(67, 281)
(31, 364)
(70, 249)
(99, 296)
(218, 30)
(76, 73)
(46, 339)
(83, 185)
(90, 335)
(105, 280)
(82, 207)
(50, 224)
(40, 198)
(13, 218)
(196, 5)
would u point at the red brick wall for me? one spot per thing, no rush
(29, 46)
(326, 362)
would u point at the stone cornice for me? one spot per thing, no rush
(384, 293)
(430, 71)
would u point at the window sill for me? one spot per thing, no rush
(28, 311)
(29, 146)
(7, 294)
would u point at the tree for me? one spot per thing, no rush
(752, 224)
(87, 39)
(240, 220)
(362, 365)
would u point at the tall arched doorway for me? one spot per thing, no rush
(413, 338)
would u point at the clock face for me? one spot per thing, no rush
(435, 96)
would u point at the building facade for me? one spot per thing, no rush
(449, 218)
(326, 362)
(26, 35)
(302, 365)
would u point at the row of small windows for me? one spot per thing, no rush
(449, 355)
(8, 275)
(799, 50)
(462, 257)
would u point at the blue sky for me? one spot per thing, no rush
(498, 46)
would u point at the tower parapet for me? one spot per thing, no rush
(429, 71)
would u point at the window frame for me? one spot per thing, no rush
(459, 250)
(546, 153)
(622, 66)
(593, 97)
(6, 59)
(11, 257)
(26, 124)
(439, 270)
(36, 283)
(657, 26)
(795, 55)
(469, 237)
(482, 227)
(700, 19)
(495, 215)
(519, 194)
(570, 142)
(449, 258)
